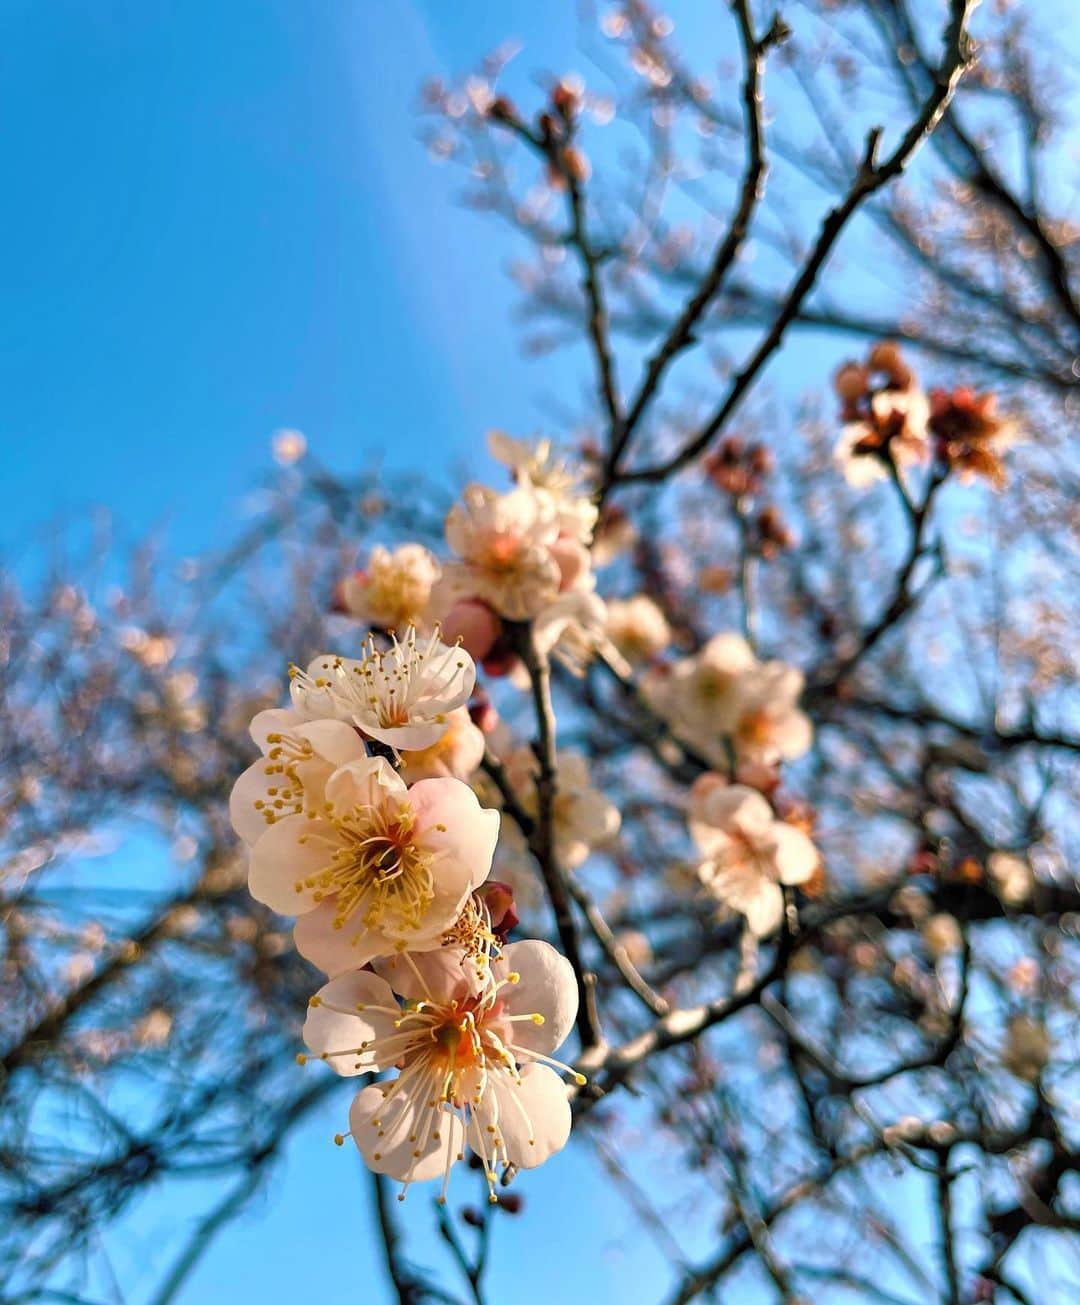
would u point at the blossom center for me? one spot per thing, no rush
(376, 865)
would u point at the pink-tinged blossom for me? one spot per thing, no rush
(401, 696)
(539, 465)
(474, 1069)
(637, 627)
(746, 852)
(770, 727)
(299, 756)
(895, 426)
(700, 696)
(504, 542)
(380, 866)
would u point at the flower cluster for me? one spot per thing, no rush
(522, 555)
(389, 787)
(727, 705)
(359, 822)
(885, 415)
(741, 471)
(888, 419)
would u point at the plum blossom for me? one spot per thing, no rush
(722, 700)
(401, 697)
(769, 727)
(571, 629)
(971, 434)
(299, 756)
(379, 867)
(746, 852)
(700, 696)
(637, 627)
(474, 1069)
(504, 542)
(895, 425)
(394, 590)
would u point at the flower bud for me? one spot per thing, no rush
(498, 897)
(576, 164)
(886, 357)
(501, 109)
(565, 100)
(473, 624)
(851, 382)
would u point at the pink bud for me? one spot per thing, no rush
(758, 774)
(706, 784)
(474, 625)
(572, 559)
(484, 715)
(499, 900)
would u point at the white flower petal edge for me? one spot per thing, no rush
(290, 777)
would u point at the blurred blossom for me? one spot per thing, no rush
(289, 446)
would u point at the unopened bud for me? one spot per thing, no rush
(851, 382)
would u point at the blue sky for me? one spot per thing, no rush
(219, 222)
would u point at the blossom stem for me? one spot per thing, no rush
(542, 841)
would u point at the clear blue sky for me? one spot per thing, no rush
(218, 221)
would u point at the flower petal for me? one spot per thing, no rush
(532, 1117)
(401, 1134)
(337, 950)
(248, 820)
(452, 823)
(795, 855)
(547, 987)
(343, 1021)
(764, 909)
(289, 852)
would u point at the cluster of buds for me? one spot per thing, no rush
(741, 470)
(556, 125)
(885, 414)
(889, 420)
(738, 468)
